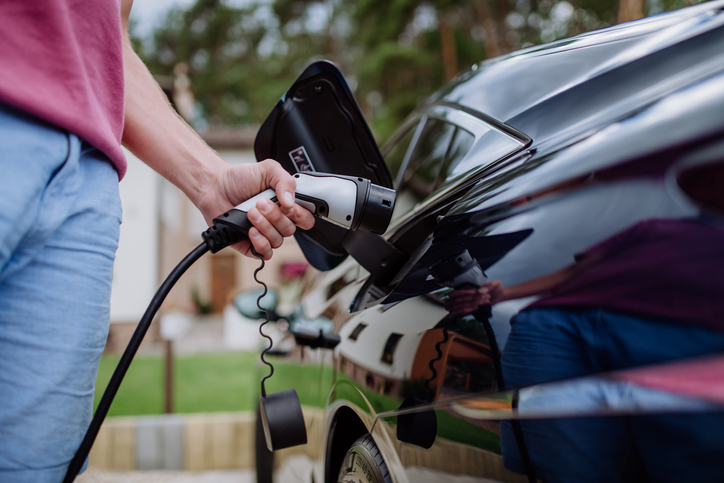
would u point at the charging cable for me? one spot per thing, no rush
(346, 201)
(105, 404)
(217, 237)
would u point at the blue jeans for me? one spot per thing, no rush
(60, 217)
(551, 344)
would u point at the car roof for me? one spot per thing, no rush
(544, 89)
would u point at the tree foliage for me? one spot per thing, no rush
(241, 56)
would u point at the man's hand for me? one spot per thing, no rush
(272, 223)
(466, 301)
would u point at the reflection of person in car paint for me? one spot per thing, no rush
(649, 294)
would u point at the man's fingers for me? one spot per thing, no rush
(462, 296)
(276, 218)
(466, 301)
(301, 217)
(261, 244)
(266, 228)
(284, 185)
(282, 182)
(493, 285)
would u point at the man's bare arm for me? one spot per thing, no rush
(466, 301)
(155, 133)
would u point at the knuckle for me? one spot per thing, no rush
(276, 216)
(289, 231)
(263, 249)
(254, 216)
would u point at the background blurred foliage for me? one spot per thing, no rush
(242, 55)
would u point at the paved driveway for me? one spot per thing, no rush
(296, 469)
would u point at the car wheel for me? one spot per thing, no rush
(363, 463)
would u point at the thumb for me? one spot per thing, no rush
(273, 175)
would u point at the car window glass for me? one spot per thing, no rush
(388, 353)
(422, 170)
(461, 144)
(395, 153)
(424, 166)
(357, 331)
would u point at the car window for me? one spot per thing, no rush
(449, 150)
(394, 153)
(424, 166)
(421, 172)
(388, 353)
(357, 331)
(461, 143)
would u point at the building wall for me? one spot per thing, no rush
(135, 273)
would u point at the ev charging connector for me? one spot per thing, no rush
(350, 202)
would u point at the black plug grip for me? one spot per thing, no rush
(229, 228)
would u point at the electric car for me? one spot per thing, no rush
(510, 171)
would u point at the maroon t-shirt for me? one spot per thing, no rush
(671, 269)
(62, 61)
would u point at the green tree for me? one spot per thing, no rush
(394, 53)
(231, 60)
(410, 49)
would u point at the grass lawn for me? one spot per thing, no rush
(208, 383)
(230, 382)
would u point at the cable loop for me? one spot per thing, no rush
(267, 318)
(431, 365)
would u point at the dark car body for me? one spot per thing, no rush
(524, 161)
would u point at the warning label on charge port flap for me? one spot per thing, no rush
(301, 160)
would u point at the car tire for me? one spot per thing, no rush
(264, 457)
(363, 463)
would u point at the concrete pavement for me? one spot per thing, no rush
(296, 469)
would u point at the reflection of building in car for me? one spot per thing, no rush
(465, 365)
(396, 342)
(464, 362)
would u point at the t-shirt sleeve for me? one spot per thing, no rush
(616, 243)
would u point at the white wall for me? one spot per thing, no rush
(135, 273)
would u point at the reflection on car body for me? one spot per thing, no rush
(524, 161)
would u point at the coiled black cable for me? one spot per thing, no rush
(267, 318)
(431, 365)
